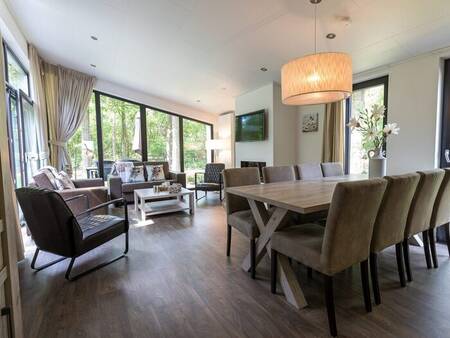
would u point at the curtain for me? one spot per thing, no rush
(333, 133)
(50, 84)
(39, 103)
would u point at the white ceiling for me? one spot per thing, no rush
(212, 50)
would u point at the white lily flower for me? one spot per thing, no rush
(391, 129)
(353, 123)
(378, 111)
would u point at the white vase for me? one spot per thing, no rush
(377, 163)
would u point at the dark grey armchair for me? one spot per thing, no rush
(212, 180)
(57, 230)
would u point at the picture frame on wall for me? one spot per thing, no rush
(310, 122)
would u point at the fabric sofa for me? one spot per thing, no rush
(94, 189)
(119, 189)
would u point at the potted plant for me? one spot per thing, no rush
(374, 134)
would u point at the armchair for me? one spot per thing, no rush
(212, 180)
(57, 230)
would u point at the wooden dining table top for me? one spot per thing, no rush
(302, 196)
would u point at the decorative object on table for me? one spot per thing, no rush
(310, 122)
(316, 78)
(374, 134)
(174, 188)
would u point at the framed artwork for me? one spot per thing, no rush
(310, 122)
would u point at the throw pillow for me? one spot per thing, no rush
(123, 170)
(65, 180)
(137, 174)
(155, 172)
(51, 174)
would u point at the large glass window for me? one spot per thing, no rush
(195, 136)
(15, 136)
(121, 131)
(16, 75)
(163, 138)
(82, 147)
(364, 96)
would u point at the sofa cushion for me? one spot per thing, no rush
(64, 179)
(137, 174)
(123, 170)
(42, 180)
(155, 173)
(165, 165)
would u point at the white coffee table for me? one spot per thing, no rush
(146, 201)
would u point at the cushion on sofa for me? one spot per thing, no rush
(137, 174)
(165, 165)
(42, 180)
(123, 170)
(64, 179)
(155, 173)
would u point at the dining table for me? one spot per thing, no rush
(300, 196)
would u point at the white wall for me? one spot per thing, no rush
(309, 149)
(285, 130)
(261, 151)
(12, 34)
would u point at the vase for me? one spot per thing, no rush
(377, 163)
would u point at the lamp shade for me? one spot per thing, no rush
(317, 78)
(215, 144)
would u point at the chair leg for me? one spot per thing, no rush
(127, 243)
(45, 266)
(228, 239)
(329, 300)
(253, 257)
(273, 271)
(400, 266)
(447, 236)
(220, 193)
(426, 248)
(196, 195)
(406, 257)
(365, 285)
(310, 272)
(374, 276)
(432, 239)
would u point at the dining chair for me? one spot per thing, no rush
(239, 214)
(389, 227)
(419, 215)
(440, 215)
(344, 241)
(308, 171)
(278, 174)
(332, 169)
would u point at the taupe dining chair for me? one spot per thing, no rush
(332, 169)
(389, 228)
(278, 174)
(441, 215)
(344, 241)
(309, 171)
(239, 215)
(419, 215)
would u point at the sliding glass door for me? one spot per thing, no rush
(365, 95)
(15, 135)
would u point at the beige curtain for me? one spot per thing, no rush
(39, 101)
(333, 133)
(50, 84)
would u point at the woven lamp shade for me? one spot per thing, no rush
(317, 78)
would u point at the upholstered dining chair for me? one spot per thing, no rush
(332, 169)
(212, 179)
(309, 171)
(419, 215)
(278, 174)
(390, 224)
(239, 215)
(57, 230)
(441, 215)
(344, 241)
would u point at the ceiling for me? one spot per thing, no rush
(212, 50)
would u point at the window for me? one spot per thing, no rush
(163, 138)
(82, 146)
(195, 154)
(365, 94)
(16, 74)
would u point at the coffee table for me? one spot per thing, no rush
(148, 202)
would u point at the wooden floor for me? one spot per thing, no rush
(177, 282)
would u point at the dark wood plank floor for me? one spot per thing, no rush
(178, 282)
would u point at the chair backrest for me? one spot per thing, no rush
(441, 208)
(278, 174)
(213, 172)
(49, 219)
(350, 221)
(308, 171)
(332, 169)
(419, 215)
(237, 177)
(389, 228)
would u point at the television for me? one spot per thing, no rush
(251, 126)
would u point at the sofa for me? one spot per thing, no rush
(119, 189)
(93, 190)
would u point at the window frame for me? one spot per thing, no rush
(7, 50)
(383, 80)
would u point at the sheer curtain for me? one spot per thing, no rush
(333, 133)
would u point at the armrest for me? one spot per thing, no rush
(178, 177)
(87, 183)
(115, 186)
(118, 200)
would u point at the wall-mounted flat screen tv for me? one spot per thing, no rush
(251, 127)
